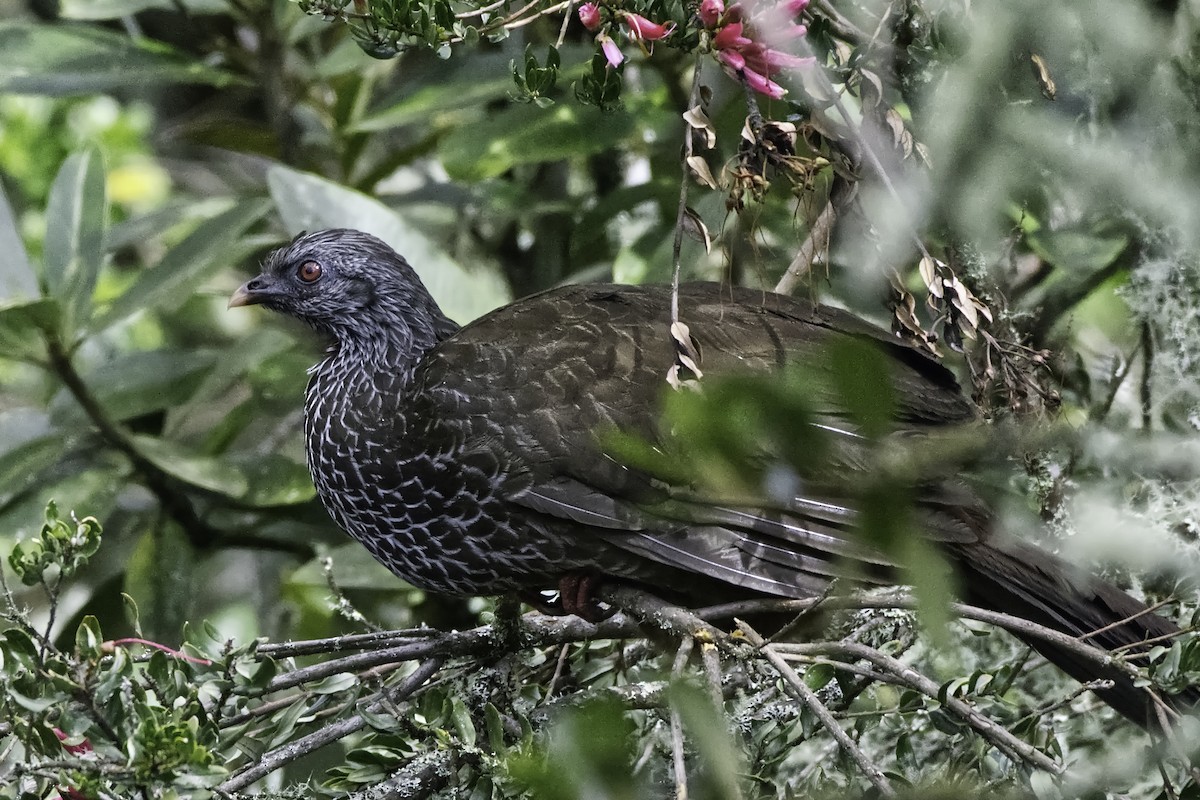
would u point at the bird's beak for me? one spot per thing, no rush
(249, 293)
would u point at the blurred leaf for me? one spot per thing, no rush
(307, 202)
(860, 377)
(205, 472)
(474, 84)
(28, 445)
(82, 59)
(22, 326)
(187, 265)
(18, 281)
(353, 568)
(526, 134)
(1079, 250)
(76, 216)
(274, 480)
(160, 580)
(134, 384)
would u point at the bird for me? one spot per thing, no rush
(470, 461)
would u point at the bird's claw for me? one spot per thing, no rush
(575, 596)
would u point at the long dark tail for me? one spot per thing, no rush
(1027, 582)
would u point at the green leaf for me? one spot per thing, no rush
(273, 479)
(76, 216)
(22, 325)
(526, 134)
(187, 265)
(138, 383)
(353, 568)
(307, 202)
(85, 59)
(860, 377)
(206, 472)
(159, 577)
(28, 445)
(18, 281)
(88, 637)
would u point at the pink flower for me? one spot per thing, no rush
(74, 749)
(740, 49)
(710, 12)
(612, 53)
(730, 37)
(644, 29)
(778, 60)
(589, 15)
(763, 85)
(732, 59)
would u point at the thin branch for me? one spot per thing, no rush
(335, 644)
(818, 239)
(799, 689)
(999, 736)
(301, 747)
(1144, 393)
(684, 183)
(815, 243)
(677, 757)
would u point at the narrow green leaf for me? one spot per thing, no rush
(137, 383)
(205, 472)
(75, 224)
(68, 59)
(18, 281)
(526, 134)
(187, 265)
(307, 202)
(22, 325)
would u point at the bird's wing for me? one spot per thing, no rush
(563, 366)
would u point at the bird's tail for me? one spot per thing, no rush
(1034, 585)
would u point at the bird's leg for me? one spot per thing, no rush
(575, 596)
(538, 602)
(576, 592)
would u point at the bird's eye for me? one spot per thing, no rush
(309, 272)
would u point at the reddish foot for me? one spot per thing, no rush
(575, 592)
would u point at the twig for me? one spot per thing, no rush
(658, 613)
(816, 242)
(986, 727)
(677, 759)
(1144, 395)
(685, 181)
(314, 741)
(562, 31)
(335, 644)
(799, 689)
(559, 666)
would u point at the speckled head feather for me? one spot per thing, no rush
(349, 285)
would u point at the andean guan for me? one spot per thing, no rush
(467, 460)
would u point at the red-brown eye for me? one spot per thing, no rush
(309, 271)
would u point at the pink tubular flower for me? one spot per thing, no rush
(763, 85)
(732, 59)
(711, 11)
(644, 29)
(612, 53)
(730, 37)
(589, 15)
(743, 42)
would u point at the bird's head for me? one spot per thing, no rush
(349, 285)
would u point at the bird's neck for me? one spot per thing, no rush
(381, 361)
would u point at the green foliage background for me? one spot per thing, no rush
(151, 152)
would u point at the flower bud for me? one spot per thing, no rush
(589, 15)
